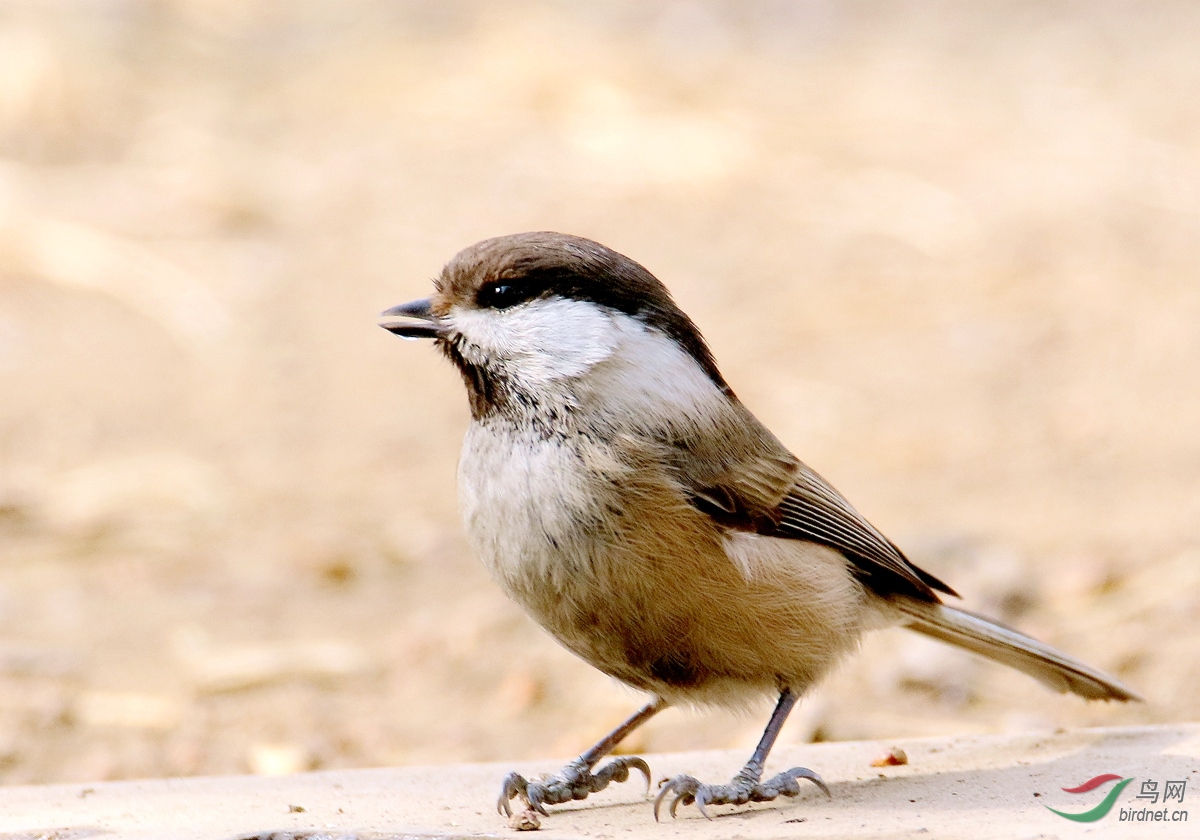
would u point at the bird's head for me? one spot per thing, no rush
(518, 314)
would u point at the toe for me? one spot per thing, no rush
(702, 797)
(683, 798)
(535, 797)
(537, 806)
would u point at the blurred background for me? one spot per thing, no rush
(949, 253)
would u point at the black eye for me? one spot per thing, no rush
(502, 294)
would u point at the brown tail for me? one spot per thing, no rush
(980, 635)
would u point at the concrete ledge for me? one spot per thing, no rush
(963, 787)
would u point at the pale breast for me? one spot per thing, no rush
(525, 505)
(615, 563)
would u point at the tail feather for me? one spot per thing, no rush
(985, 637)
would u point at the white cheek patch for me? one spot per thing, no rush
(539, 341)
(656, 383)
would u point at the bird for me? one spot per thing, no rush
(617, 489)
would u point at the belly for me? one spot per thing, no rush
(670, 604)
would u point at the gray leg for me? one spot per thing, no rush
(576, 780)
(745, 786)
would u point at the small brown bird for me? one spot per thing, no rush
(620, 492)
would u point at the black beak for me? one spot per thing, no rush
(424, 325)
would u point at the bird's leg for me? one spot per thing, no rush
(576, 780)
(746, 785)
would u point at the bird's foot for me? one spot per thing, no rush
(575, 781)
(745, 787)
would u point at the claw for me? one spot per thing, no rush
(641, 766)
(685, 789)
(805, 773)
(665, 788)
(514, 784)
(534, 797)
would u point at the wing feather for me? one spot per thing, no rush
(813, 510)
(750, 482)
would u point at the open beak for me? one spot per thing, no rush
(422, 324)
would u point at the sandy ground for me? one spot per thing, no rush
(949, 254)
(995, 786)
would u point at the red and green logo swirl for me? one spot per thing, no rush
(1105, 804)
